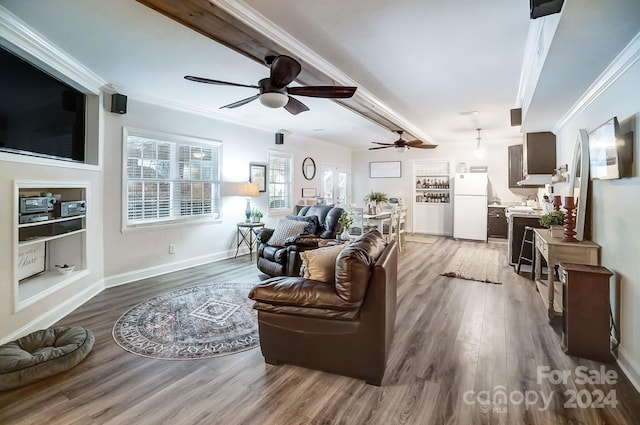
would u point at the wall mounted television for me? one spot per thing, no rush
(610, 152)
(39, 114)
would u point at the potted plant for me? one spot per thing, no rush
(346, 222)
(256, 215)
(376, 198)
(554, 221)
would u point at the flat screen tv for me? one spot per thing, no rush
(39, 115)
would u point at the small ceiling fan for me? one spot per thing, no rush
(274, 92)
(402, 145)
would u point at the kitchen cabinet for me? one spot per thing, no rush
(539, 153)
(432, 196)
(516, 225)
(515, 166)
(536, 156)
(497, 223)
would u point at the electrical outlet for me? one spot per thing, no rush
(172, 249)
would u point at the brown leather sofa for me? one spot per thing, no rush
(344, 327)
(285, 261)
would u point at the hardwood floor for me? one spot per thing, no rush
(458, 346)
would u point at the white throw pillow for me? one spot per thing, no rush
(285, 229)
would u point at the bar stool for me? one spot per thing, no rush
(527, 238)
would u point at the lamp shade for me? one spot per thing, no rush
(241, 189)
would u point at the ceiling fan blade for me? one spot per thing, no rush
(383, 144)
(414, 142)
(380, 147)
(294, 106)
(241, 102)
(425, 146)
(221, 83)
(284, 70)
(336, 92)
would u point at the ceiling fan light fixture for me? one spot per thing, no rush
(274, 100)
(401, 149)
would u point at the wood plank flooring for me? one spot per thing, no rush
(458, 346)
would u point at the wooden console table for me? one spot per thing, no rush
(555, 251)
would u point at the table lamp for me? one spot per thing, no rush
(248, 190)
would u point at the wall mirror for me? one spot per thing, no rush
(309, 168)
(579, 181)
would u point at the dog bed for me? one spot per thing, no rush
(42, 354)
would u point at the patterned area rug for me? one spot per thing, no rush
(198, 322)
(481, 264)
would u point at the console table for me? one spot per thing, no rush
(555, 251)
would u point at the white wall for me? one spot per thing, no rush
(135, 254)
(615, 207)
(496, 161)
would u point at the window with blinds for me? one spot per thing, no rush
(279, 181)
(170, 178)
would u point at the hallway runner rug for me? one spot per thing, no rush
(481, 264)
(197, 322)
(416, 237)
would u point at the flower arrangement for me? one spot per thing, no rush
(345, 221)
(553, 218)
(377, 197)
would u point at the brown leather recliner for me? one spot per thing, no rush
(286, 261)
(344, 327)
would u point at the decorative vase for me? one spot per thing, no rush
(556, 231)
(345, 236)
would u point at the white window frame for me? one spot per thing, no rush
(272, 184)
(176, 214)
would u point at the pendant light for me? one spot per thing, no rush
(479, 150)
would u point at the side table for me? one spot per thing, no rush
(244, 235)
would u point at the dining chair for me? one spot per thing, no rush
(401, 228)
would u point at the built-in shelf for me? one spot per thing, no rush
(47, 241)
(432, 197)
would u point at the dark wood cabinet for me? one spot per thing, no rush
(539, 153)
(516, 234)
(515, 166)
(586, 328)
(497, 223)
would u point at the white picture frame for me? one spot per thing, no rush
(385, 169)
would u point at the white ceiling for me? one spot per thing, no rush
(427, 61)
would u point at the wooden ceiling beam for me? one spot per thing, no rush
(213, 22)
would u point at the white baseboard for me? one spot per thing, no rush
(59, 312)
(629, 366)
(132, 276)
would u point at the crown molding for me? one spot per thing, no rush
(19, 38)
(616, 69)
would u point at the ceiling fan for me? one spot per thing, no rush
(274, 92)
(402, 145)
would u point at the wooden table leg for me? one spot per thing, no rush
(550, 287)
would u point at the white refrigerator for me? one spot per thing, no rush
(470, 206)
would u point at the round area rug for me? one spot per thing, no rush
(198, 322)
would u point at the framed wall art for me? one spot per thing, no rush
(385, 169)
(258, 174)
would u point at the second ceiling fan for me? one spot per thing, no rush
(401, 145)
(273, 91)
